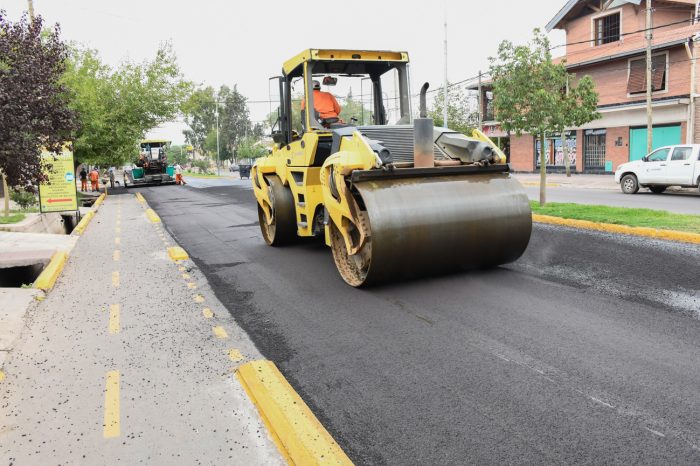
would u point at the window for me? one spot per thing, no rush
(681, 153)
(607, 29)
(659, 155)
(637, 80)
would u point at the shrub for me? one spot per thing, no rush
(23, 198)
(202, 165)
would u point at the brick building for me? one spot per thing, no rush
(606, 40)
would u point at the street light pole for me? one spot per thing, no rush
(444, 110)
(218, 168)
(650, 127)
(30, 7)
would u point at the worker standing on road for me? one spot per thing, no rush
(324, 103)
(94, 180)
(110, 172)
(83, 180)
(178, 175)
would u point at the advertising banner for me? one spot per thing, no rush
(59, 193)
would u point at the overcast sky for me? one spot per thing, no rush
(244, 43)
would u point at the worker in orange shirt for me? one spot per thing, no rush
(94, 179)
(325, 104)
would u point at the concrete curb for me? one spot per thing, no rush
(299, 436)
(100, 200)
(670, 235)
(152, 216)
(82, 225)
(176, 253)
(47, 278)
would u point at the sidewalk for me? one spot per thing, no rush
(579, 181)
(129, 360)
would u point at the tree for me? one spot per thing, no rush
(579, 107)
(530, 94)
(352, 108)
(200, 116)
(460, 111)
(234, 119)
(33, 104)
(250, 148)
(117, 107)
(178, 154)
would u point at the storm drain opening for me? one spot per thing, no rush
(22, 276)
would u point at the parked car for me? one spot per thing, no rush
(233, 168)
(677, 165)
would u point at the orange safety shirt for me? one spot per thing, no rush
(325, 104)
(94, 176)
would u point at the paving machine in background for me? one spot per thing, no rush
(393, 200)
(152, 165)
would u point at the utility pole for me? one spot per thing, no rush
(650, 127)
(481, 104)
(444, 110)
(218, 168)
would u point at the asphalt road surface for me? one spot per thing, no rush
(584, 351)
(682, 202)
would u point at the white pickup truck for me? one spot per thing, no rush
(667, 166)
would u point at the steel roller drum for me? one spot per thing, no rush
(430, 225)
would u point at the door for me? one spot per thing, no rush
(681, 166)
(594, 149)
(653, 170)
(661, 136)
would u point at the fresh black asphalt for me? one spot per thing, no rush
(585, 351)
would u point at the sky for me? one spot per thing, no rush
(245, 43)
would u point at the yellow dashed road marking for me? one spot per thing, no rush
(207, 313)
(191, 286)
(115, 279)
(2, 376)
(235, 355)
(181, 268)
(220, 332)
(111, 418)
(117, 241)
(116, 255)
(185, 276)
(118, 230)
(114, 318)
(198, 298)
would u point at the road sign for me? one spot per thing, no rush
(59, 193)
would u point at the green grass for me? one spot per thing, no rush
(200, 175)
(13, 218)
(660, 219)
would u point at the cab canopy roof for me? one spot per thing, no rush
(155, 142)
(364, 60)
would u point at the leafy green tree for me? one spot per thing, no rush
(352, 108)
(580, 106)
(200, 117)
(460, 111)
(116, 107)
(530, 93)
(33, 105)
(251, 148)
(178, 154)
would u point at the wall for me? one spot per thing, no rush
(617, 154)
(522, 153)
(611, 79)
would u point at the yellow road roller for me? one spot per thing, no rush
(393, 196)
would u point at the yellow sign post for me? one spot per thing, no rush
(59, 193)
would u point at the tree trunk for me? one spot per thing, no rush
(565, 151)
(6, 193)
(543, 172)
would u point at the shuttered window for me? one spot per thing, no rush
(637, 82)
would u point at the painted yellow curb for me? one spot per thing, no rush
(140, 198)
(100, 200)
(299, 436)
(176, 253)
(47, 278)
(83, 223)
(152, 216)
(670, 235)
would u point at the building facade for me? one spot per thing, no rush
(606, 41)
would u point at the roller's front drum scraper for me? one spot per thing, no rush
(422, 226)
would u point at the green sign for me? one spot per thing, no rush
(58, 194)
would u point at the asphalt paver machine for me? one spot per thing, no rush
(152, 165)
(392, 199)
